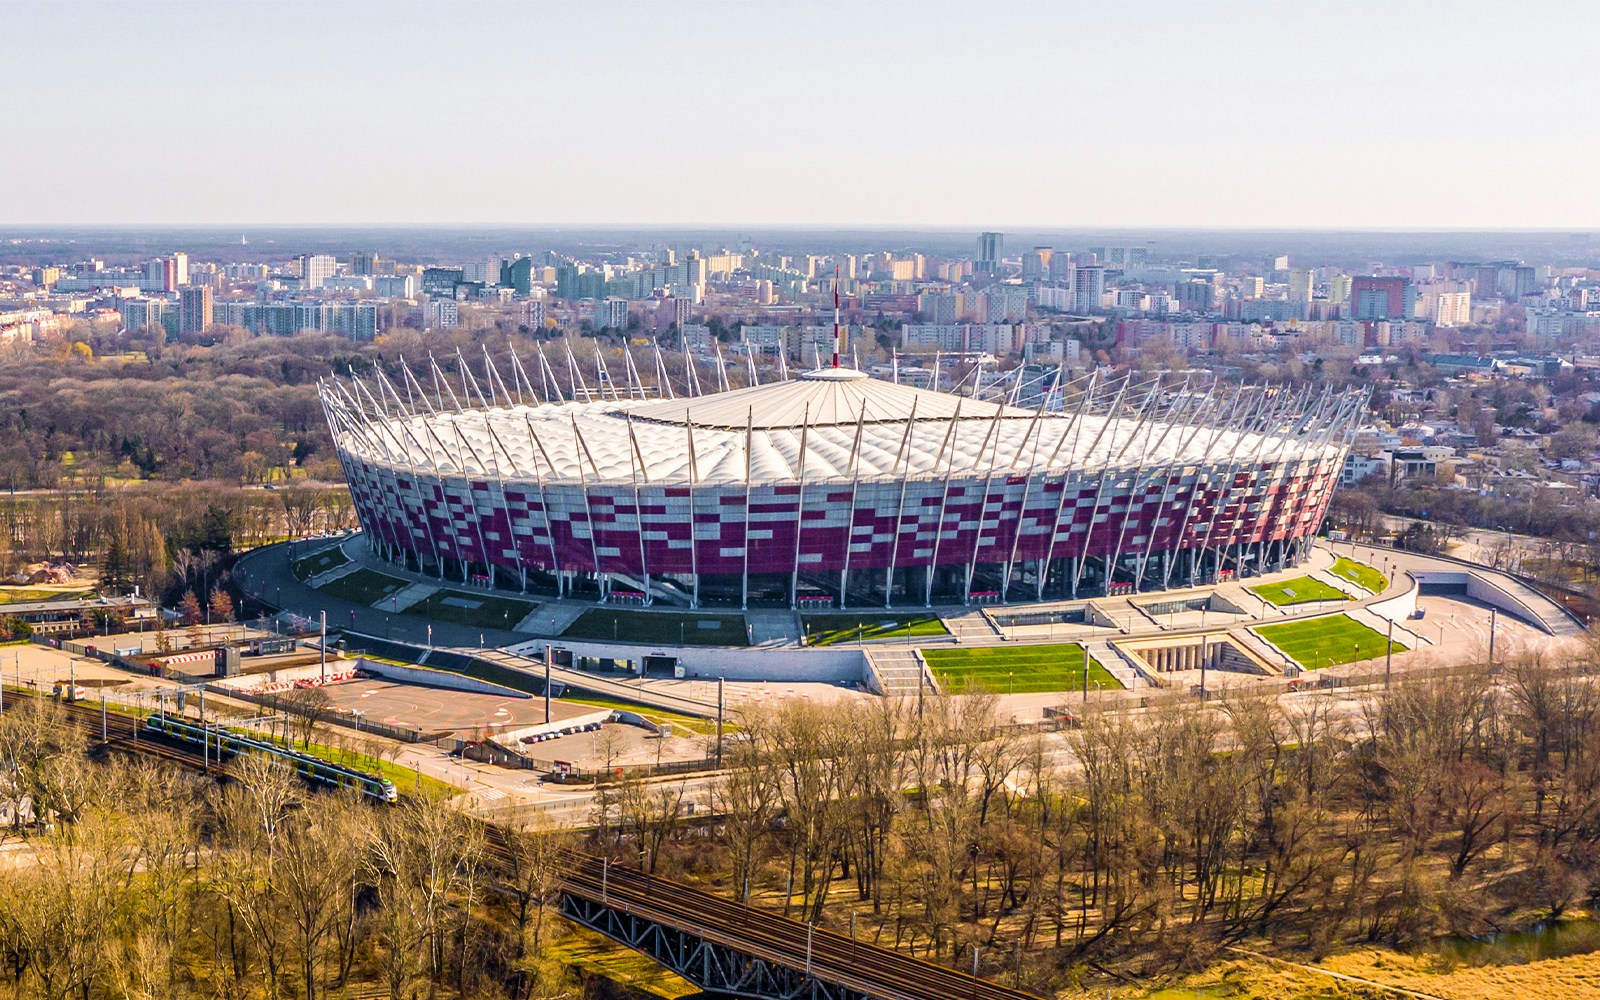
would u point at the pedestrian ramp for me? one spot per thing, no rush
(403, 599)
(342, 570)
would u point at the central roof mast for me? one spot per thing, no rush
(836, 315)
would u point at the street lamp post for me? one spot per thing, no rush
(1388, 656)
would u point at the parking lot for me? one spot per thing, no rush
(439, 710)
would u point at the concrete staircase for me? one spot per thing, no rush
(772, 628)
(972, 626)
(1117, 665)
(1380, 625)
(899, 671)
(1261, 648)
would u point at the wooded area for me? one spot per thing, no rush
(1459, 802)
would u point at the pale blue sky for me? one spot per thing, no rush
(1292, 113)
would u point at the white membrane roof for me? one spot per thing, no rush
(705, 439)
(820, 398)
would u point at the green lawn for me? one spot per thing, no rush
(1360, 574)
(321, 562)
(1016, 669)
(825, 630)
(364, 586)
(464, 607)
(33, 595)
(1326, 642)
(1300, 590)
(659, 628)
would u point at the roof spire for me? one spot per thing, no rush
(836, 315)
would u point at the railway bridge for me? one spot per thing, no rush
(726, 948)
(721, 946)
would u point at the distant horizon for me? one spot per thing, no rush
(1396, 116)
(852, 227)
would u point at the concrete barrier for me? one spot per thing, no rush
(1401, 606)
(436, 678)
(735, 663)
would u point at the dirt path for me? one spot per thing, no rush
(1398, 990)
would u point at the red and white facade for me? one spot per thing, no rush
(836, 489)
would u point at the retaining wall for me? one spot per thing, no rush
(436, 678)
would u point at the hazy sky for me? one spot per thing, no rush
(1287, 113)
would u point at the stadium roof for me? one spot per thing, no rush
(821, 398)
(848, 426)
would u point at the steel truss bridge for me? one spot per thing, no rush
(726, 948)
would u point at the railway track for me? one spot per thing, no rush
(828, 955)
(824, 954)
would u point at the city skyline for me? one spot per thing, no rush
(1343, 115)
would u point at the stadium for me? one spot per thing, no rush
(834, 489)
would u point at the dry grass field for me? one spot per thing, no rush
(1387, 975)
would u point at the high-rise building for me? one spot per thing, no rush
(180, 269)
(1446, 303)
(443, 314)
(1121, 258)
(161, 275)
(315, 268)
(990, 248)
(1088, 286)
(518, 275)
(194, 309)
(1338, 289)
(532, 313)
(1301, 282)
(364, 262)
(1379, 298)
(440, 281)
(1196, 295)
(141, 313)
(939, 308)
(1036, 264)
(612, 313)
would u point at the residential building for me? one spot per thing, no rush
(316, 268)
(1375, 298)
(1088, 287)
(991, 246)
(195, 309)
(611, 313)
(442, 314)
(1302, 280)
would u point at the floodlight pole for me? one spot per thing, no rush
(547, 654)
(722, 702)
